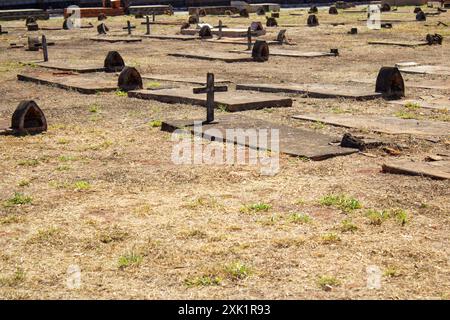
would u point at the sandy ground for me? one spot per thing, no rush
(99, 191)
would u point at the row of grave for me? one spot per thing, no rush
(292, 140)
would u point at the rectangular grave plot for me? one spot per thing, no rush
(115, 39)
(229, 100)
(427, 69)
(410, 44)
(219, 56)
(74, 67)
(315, 90)
(382, 124)
(176, 78)
(290, 53)
(179, 37)
(292, 141)
(83, 83)
(436, 170)
(226, 32)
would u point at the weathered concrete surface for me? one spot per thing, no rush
(229, 100)
(74, 67)
(315, 90)
(291, 53)
(383, 124)
(83, 83)
(427, 69)
(218, 56)
(292, 141)
(410, 44)
(114, 39)
(176, 78)
(226, 32)
(170, 37)
(435, 169)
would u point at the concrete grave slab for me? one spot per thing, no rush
(237, 41)
(442, 103)
(228, 100)
(226, 32)
(177, 78)
(382, 124)
(291, 53)
(292, 141)
(315, 90)
(436, 169)
(414, 83)
(63, 65)
(171, 37)
(84, 83)
(427, 69)
(400, 43)
(218, 56)
(114, 39)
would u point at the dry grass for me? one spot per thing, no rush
(99, 190)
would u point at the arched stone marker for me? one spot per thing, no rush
(28, 118)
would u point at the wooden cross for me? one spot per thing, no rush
(249, 38)
(153, 16)
(209, 90)
(147, 23)
(44, 48)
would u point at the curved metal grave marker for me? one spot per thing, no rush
(28, 118)
(260, 51)
(244, 13)
(313, 9)
(312, 21)
(390, 83)
(256, 26)
(102, 28)
(333, 10)
(271, 22)
(205, 32)
(130, 79)
(113, 62)
(420, 16)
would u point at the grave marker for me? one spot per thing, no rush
(220, 30)
(102, 28)
(209, 90)
(44, 48)
(2, 31)
(147, 24)
(28, 118)
(312, 21)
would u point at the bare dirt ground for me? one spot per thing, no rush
(99, 189)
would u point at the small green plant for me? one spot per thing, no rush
(412, 106)
(114, 234)
(299, 218)
(66, 158)
(377, 217)
(24, 183)
(402, 114)
(120, 93)
(94, 108)
(129, 259)
(63, 141)
(155, 123)
(401, 216)
(10, 219)
(28, 163)
(82, 185)
(391, 272)
(222, 107)
(328, 282)
(256, 207)
(348, 226)
(203, 281)
(153, 85)
(237, 271)
(318, 125)
(14, 280)
(329, 238)
(342, 202)
(18, 199)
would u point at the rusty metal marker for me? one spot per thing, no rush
(260, 51)
(28, 118)
(390, 83)
(113, 62)
(291, 141)
(312, 21)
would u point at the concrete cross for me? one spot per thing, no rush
(209, 90)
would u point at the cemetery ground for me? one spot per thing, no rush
(99, 190)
